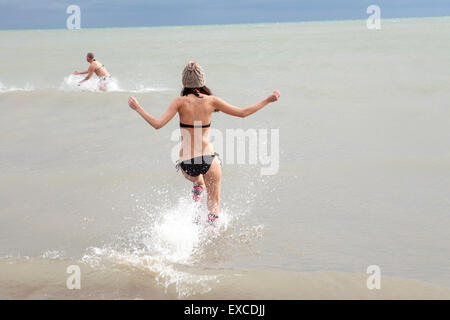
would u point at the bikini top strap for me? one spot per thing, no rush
(183, 125)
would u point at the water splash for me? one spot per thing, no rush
(168, 243)
(5, 89)
(70, 83)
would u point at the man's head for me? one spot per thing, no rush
(90, 57)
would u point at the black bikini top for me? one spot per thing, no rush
(182, 125)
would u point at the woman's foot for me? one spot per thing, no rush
(197, 193)
(212, 218)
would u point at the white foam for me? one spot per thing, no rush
(143, 89)
(4, 88)
(71, 83)
(171, 239)
(53, 254)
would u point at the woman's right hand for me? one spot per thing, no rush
(274, 96)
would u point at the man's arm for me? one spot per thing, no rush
(90, 72)
(80, 72)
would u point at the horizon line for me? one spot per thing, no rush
(222, 24)
(225, 24)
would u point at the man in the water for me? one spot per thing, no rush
(100, 71)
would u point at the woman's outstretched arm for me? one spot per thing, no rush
(154, 122)
(221, 105)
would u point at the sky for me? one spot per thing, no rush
(51, 14)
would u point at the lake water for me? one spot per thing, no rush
(363, 176)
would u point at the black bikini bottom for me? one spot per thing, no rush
(198, 165)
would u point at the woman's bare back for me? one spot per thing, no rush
(195, 111)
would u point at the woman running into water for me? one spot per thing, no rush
(198, 161)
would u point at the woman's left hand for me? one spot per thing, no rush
(133, 103)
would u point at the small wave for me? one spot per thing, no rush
(38, 278)
(53, 254)
(71, 83)
(144, 89)
(5, 89)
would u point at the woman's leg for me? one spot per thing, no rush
(212, 181)
(198, 180)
